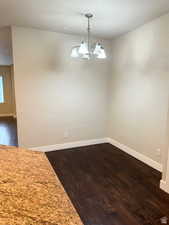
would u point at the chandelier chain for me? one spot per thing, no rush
(88, 34)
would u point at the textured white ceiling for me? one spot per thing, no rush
(112, 17)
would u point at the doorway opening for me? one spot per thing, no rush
(8, 121)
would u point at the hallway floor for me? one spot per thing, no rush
(8, 131)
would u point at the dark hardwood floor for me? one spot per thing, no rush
(8, 131)
(109, 187)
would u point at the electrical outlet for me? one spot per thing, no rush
(66, 134)
(158, 152)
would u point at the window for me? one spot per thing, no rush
(1, 90)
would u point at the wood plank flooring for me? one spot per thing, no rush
(8, 131)
(109, 187)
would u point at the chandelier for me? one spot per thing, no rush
(86, 50)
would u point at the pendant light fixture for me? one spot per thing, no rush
(86, 50)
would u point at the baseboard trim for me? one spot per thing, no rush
(111, 141)
(69, 145)
(8, 115)
(164, 186)
(136, 154)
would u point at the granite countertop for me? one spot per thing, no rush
(30, 192)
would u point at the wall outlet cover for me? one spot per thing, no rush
(158, 152)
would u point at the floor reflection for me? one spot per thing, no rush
(8, 131)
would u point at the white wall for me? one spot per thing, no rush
(139, 89)
(57, 96)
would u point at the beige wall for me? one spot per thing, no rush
(139, 89)
(5, 46)
(58, 99)
(8, 107)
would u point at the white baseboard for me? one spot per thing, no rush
(136, 154)
(123, 147)
(69, 145)
(164, 186)
(7, 115)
